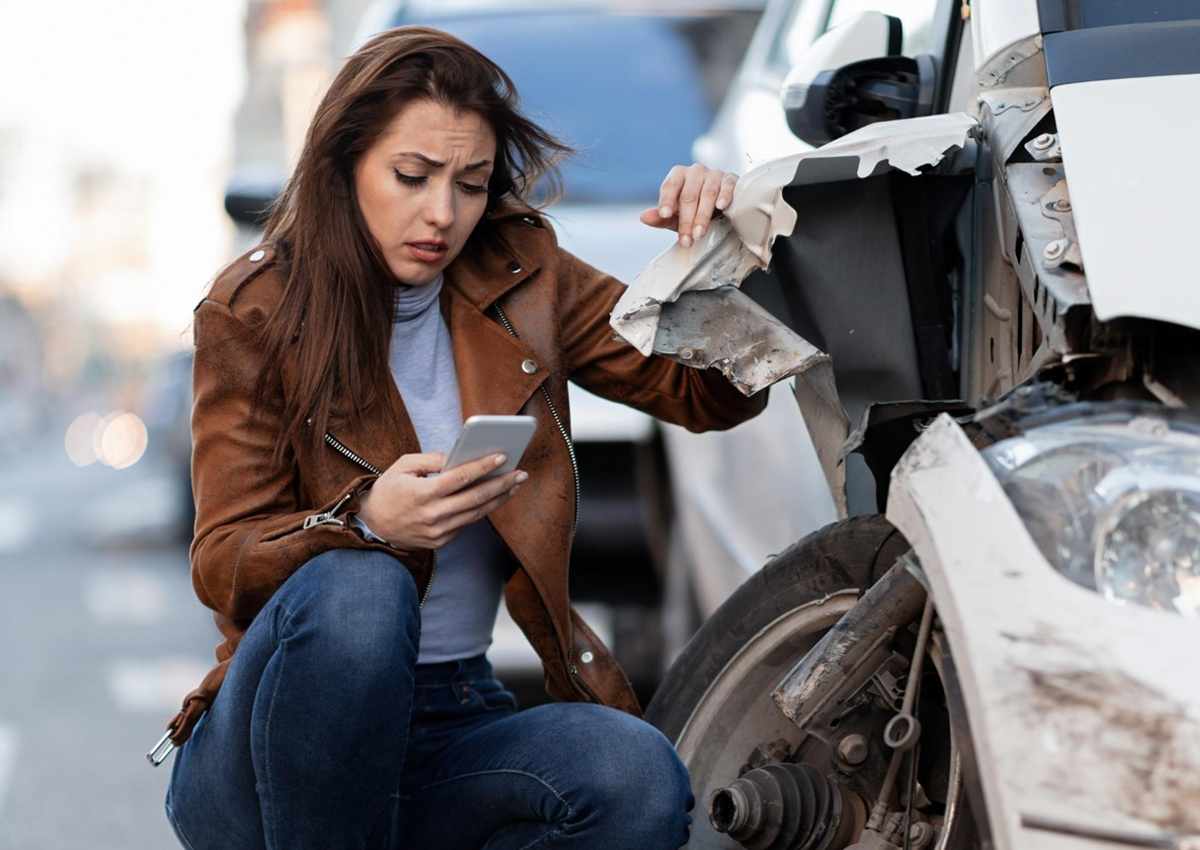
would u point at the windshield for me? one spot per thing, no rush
(626, 90)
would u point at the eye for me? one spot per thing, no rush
(474, 189)
(408, 179)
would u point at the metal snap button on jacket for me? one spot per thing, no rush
(586, 658)
(257, 255)
(528, 367)
(514, 267)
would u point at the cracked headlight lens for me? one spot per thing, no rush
(1150, 551)
(1113, 506)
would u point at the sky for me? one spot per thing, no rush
(143, 88)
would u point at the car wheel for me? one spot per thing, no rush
(715, 702)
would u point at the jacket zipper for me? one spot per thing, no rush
(329, 516)
(562, 429)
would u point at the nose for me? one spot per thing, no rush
(439, 209)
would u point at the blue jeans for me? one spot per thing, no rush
(327, 734)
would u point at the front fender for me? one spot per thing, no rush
(1082, 712)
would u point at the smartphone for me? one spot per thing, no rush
(488, 435)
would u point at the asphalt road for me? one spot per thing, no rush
(101, 636)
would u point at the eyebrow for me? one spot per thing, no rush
(475, 166)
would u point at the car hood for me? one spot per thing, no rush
(1126, 148)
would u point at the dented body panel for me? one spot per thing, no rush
(1082, 712)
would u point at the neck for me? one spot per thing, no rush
(412, 301)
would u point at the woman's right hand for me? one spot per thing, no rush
(411, 511)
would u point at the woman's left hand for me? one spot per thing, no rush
(687, 201)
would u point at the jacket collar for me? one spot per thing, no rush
(484, 276)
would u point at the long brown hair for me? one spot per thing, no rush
(333, 324)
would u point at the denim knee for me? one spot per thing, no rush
(636, 780)
(358, 606)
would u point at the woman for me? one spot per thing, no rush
(404, 262)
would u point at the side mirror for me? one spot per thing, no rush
(250, 193)
(837, 87)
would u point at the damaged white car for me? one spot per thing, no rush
(982, 288)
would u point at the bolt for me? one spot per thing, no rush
(1062, 205)
(853, 749)
(1044, 141)
(686, 353)
(921, 835)
(1054, 250)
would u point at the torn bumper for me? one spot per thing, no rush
(685, 305)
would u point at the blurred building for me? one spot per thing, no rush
(112, 171)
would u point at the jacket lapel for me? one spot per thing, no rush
(491, 362)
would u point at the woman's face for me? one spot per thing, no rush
(422, 187)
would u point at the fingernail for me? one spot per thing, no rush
(697, 231)
(664, 212)
(685, 241)
(522, 476)
(500, 460)
(514, 490)
(722, 203)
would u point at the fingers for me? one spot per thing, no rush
(456, 523)
(453, 480)
(475, 505)
(668, 193)
(653, 217)
(421, 463)
(702, 212)
(725, 196)
(688, 199)
(480, 494)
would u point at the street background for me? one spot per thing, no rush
(122, 125)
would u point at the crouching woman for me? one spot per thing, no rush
(406, 283)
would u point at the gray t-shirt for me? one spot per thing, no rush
(459, 614)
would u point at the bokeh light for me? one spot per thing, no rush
(117, 440)
(98, 436)
(122, 441)
(79, 439)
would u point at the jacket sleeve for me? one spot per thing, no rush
(250, 533)
(697, 399)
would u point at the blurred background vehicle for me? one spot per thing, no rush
(721, 480)
(631, 120)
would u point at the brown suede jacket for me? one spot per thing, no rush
(256, 523)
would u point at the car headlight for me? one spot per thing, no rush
(1113, 506)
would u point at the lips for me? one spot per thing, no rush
(430, 251)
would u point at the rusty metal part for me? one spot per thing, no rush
(879, 811)
(904, 730)
(787, 807)
(771, 752)
(921, 835)
(726, 330)
(852, 651)
(853, 749)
